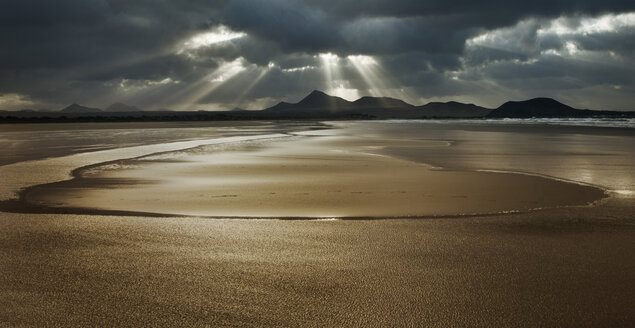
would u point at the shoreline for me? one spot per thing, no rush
(10, 189)
(23, 205)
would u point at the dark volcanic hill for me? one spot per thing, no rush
(319, 99)
(316, 101)
(317, 105)
(320, 105)
(537, 107)
(380, 102)
(122, 108)
(75, 108)
(453, 109)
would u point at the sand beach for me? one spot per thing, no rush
(198, 232)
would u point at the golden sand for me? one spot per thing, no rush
(304, 176)
(562, 266)
(569, 267)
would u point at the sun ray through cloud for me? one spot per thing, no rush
(259, 73)
(188, 97)
(379, 82)
(334, 83)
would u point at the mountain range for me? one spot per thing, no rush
(319, 105)
(75, 108)
(114, 108)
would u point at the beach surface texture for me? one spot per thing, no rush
(320, 224)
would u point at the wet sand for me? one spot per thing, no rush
(564, 266)
(304, 176)
(556, 268)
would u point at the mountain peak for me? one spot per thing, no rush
(76, 108)
(315, 94)
(319, 99)
(536, 107)
(538, 101)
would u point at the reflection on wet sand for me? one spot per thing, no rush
(564, 266)
(307, 176)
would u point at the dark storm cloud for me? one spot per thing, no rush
(622, 43)
(393, 35)
(253, 49)
(391, 26)
(73, 32)
(155, 68)
(576, 73)
(491, 13)
(93, 51)
(291, 24)
(55, 45)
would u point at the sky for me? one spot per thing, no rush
(216, 55)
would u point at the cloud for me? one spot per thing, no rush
(291, 24)
(100, 51)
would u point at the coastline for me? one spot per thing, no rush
(30, 198)
(61, 168)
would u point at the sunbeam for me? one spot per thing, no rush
(260, 75)
(331, 73)
(333, 83)
(379, 83)
(189, 96)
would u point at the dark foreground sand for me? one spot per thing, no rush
(569, 267)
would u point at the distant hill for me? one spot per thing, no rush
(317, 105)
(381, 102)
(75, 108)
(122, 108)
(537, 107)
(320, 105)
(453, 109)
(316, 101)
(43, 110)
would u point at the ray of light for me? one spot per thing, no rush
(204, 39)
(328, 61)
(329, 64)
(362, 65)
(379, 82)
(216, 35)
(303, 77)
(196, 91)
(263, 72)
(333, 82)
